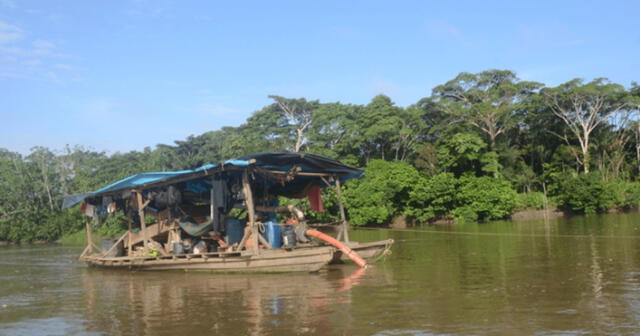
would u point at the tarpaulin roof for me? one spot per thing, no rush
(310, 163)
(279, 161)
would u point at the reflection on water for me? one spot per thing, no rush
(227, 304)
(41, 282)
(567, 277)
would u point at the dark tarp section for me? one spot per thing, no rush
(72, 200)
(285, 161)
(310, 163)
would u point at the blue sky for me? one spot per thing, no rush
(122, 75)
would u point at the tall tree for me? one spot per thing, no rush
(299, 114)
(45, 162)
(487, 100)
(379, 127)
(634, 93)
(334, 131)
(584, 107)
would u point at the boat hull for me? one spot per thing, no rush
(276, 260)
(369, 251)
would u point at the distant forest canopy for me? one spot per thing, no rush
(463, 152)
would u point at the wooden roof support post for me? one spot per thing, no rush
(143, 225)
(248, 198)
(89, 248)
(344, 233)
(130, 252)
(211, 207)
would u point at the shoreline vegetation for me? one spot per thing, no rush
(481, 147)
(79, 238)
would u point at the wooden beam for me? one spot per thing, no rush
(86, 249)
(130, 253)
(143, 225)
(243, 241)
(345, 225)
(298, 173)
(211, 207)
(264, 241)
(116, 243)
(248, 198)
(89, 237)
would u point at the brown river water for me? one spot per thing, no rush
(579, 276)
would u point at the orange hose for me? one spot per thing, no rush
(349, 252)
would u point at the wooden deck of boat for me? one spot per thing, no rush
(276, 260)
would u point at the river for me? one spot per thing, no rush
(578, 276)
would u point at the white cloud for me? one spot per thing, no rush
(43, 47)
(10, 33)
(146, 8)
(22, 57)
(63, 66)
(10, 52)
(32, 63)
(43, 44)
(7, 3)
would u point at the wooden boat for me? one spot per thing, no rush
(308, 259)
(369, 251)
(204, 198)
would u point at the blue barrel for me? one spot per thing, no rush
(272, 233)
(235, 230)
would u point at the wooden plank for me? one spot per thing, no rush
(298, 173)
(115, 244)
(130, 253)
(89, 237)
(264, 241)
(84, 251)
(145, 234)
(345, 225)
(248, 198)
(277, 260)
(243, 241)
(153, 231)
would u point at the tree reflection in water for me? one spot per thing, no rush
(185, 303)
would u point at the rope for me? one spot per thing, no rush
(497, 234)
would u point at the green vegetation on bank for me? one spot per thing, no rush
(480, 147)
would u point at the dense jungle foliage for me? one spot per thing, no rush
(480, 147)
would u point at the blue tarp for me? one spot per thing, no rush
(281, 161)
(140, 179)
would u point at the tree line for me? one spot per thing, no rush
(480, 147)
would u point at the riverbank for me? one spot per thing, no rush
(35, 242)
(551, 213)
(402, 222)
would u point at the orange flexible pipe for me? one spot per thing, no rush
(349, 252)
